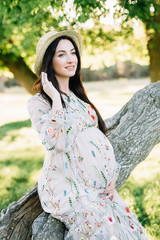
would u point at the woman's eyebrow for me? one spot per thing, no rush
(65, 51)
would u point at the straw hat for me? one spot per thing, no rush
(47, 39)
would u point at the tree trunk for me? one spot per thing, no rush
(134, 131)
(153, 46)
(22, 73)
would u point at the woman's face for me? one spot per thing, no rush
(64, 60)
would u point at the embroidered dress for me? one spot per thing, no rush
(75, 172)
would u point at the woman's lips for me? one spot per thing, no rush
(70, 68)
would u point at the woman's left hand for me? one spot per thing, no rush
(110, 190)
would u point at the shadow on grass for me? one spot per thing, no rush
(4, 129)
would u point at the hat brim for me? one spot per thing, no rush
(47, 39)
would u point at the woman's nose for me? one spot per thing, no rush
(70, 58)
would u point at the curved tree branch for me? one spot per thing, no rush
(135, 129)
(21, 71)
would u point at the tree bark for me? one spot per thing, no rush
(16, 220)
(153, 46)
(22, 73)
(134, 131)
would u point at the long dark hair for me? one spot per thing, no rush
(75, 82)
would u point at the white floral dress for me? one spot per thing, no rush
(73, 176)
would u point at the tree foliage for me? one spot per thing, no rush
(147, 11)
(23, 22)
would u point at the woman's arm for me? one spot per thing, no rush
(49, 124)
(54, 125)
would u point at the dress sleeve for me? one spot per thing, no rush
(53, 127)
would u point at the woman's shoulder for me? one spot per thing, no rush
(37, 98)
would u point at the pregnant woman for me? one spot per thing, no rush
(77, 181)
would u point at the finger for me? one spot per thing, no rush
(45, 78)
(109, 190)
(112, 198)
(104, 193)
(107, 197)
(104, 197)
(42, 78)
(110, 195)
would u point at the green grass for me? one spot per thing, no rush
(21, 154)
(21, 160)
(143, 199)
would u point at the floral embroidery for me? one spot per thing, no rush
(49, 130)
(127, 209)
(75, 172)
(111, 220)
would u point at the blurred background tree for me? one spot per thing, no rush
(23, 22)
(149, 13)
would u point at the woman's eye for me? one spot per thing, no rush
(73, 52)
(61, 55)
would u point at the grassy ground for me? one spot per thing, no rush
(22, 155)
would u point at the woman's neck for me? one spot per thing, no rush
(64, 87)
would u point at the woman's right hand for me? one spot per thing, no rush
(51, 91)
(48, 87)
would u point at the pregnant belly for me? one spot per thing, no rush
(94, 158)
